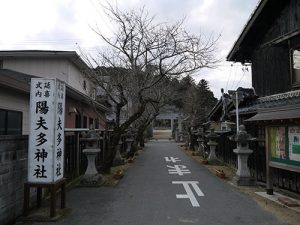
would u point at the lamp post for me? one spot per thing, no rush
(238, 97)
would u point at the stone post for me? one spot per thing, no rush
(212, 136)
(243, 177)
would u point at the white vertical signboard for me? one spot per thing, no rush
(59, 130)
(46, 139)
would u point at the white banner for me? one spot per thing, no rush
(46, 139)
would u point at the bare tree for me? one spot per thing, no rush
(140, 54)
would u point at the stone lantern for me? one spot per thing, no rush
(200, 142)
(118, 160)
(129, 140)
(91, 176)
(212, 143)
(242, 177)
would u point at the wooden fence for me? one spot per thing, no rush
(75, 161)
(283, 179)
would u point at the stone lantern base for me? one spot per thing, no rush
(243, 181)
(118, 160)
(243, 176)
(91, 178)
(212, 158)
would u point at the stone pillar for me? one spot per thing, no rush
(176, 135)
(242, 176)
(179, 125)
(172, 125)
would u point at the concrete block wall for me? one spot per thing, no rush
(13, 174)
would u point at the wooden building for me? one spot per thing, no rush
(270, 43)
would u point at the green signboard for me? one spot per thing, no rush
(284, 144)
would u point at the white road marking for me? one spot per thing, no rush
(172, 159)
(178, 169)
(189, 193)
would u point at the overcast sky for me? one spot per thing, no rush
(66, 24)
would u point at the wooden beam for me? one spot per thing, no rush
(281, 38)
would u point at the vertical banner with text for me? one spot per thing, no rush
(46, 139)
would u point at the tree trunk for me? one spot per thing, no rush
(142, 141)
(110, 152)
(140, 137)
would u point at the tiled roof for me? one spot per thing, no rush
(278, 100)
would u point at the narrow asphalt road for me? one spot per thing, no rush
(164, 187)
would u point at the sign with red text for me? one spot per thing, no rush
(46, 139)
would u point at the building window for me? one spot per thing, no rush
(91, 122)
(96, 124)
(296, 66)
(85, 122)
(78, 121)
(84, 85)
(10, 122)
(93, 94)
(261, 136)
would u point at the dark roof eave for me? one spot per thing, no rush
(72, 93)
(277, 113)
(214, 109)
(236, 47)
(12, 79)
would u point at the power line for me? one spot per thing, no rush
(232, 85)
(245, 69)
(229, 77)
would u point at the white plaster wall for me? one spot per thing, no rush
(17, 101)
(76, 79)
(47, 68)
(61, 68)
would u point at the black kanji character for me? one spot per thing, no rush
(59, 124)
(38, 94)
(40, 172)
(58, 154)
(41, 139)
(47, 85)
(58, 139)
(41, 107)
(58, 169)
(41, 155)
(59, 108)
(47, 94)
(38, 85)
(41, 123)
